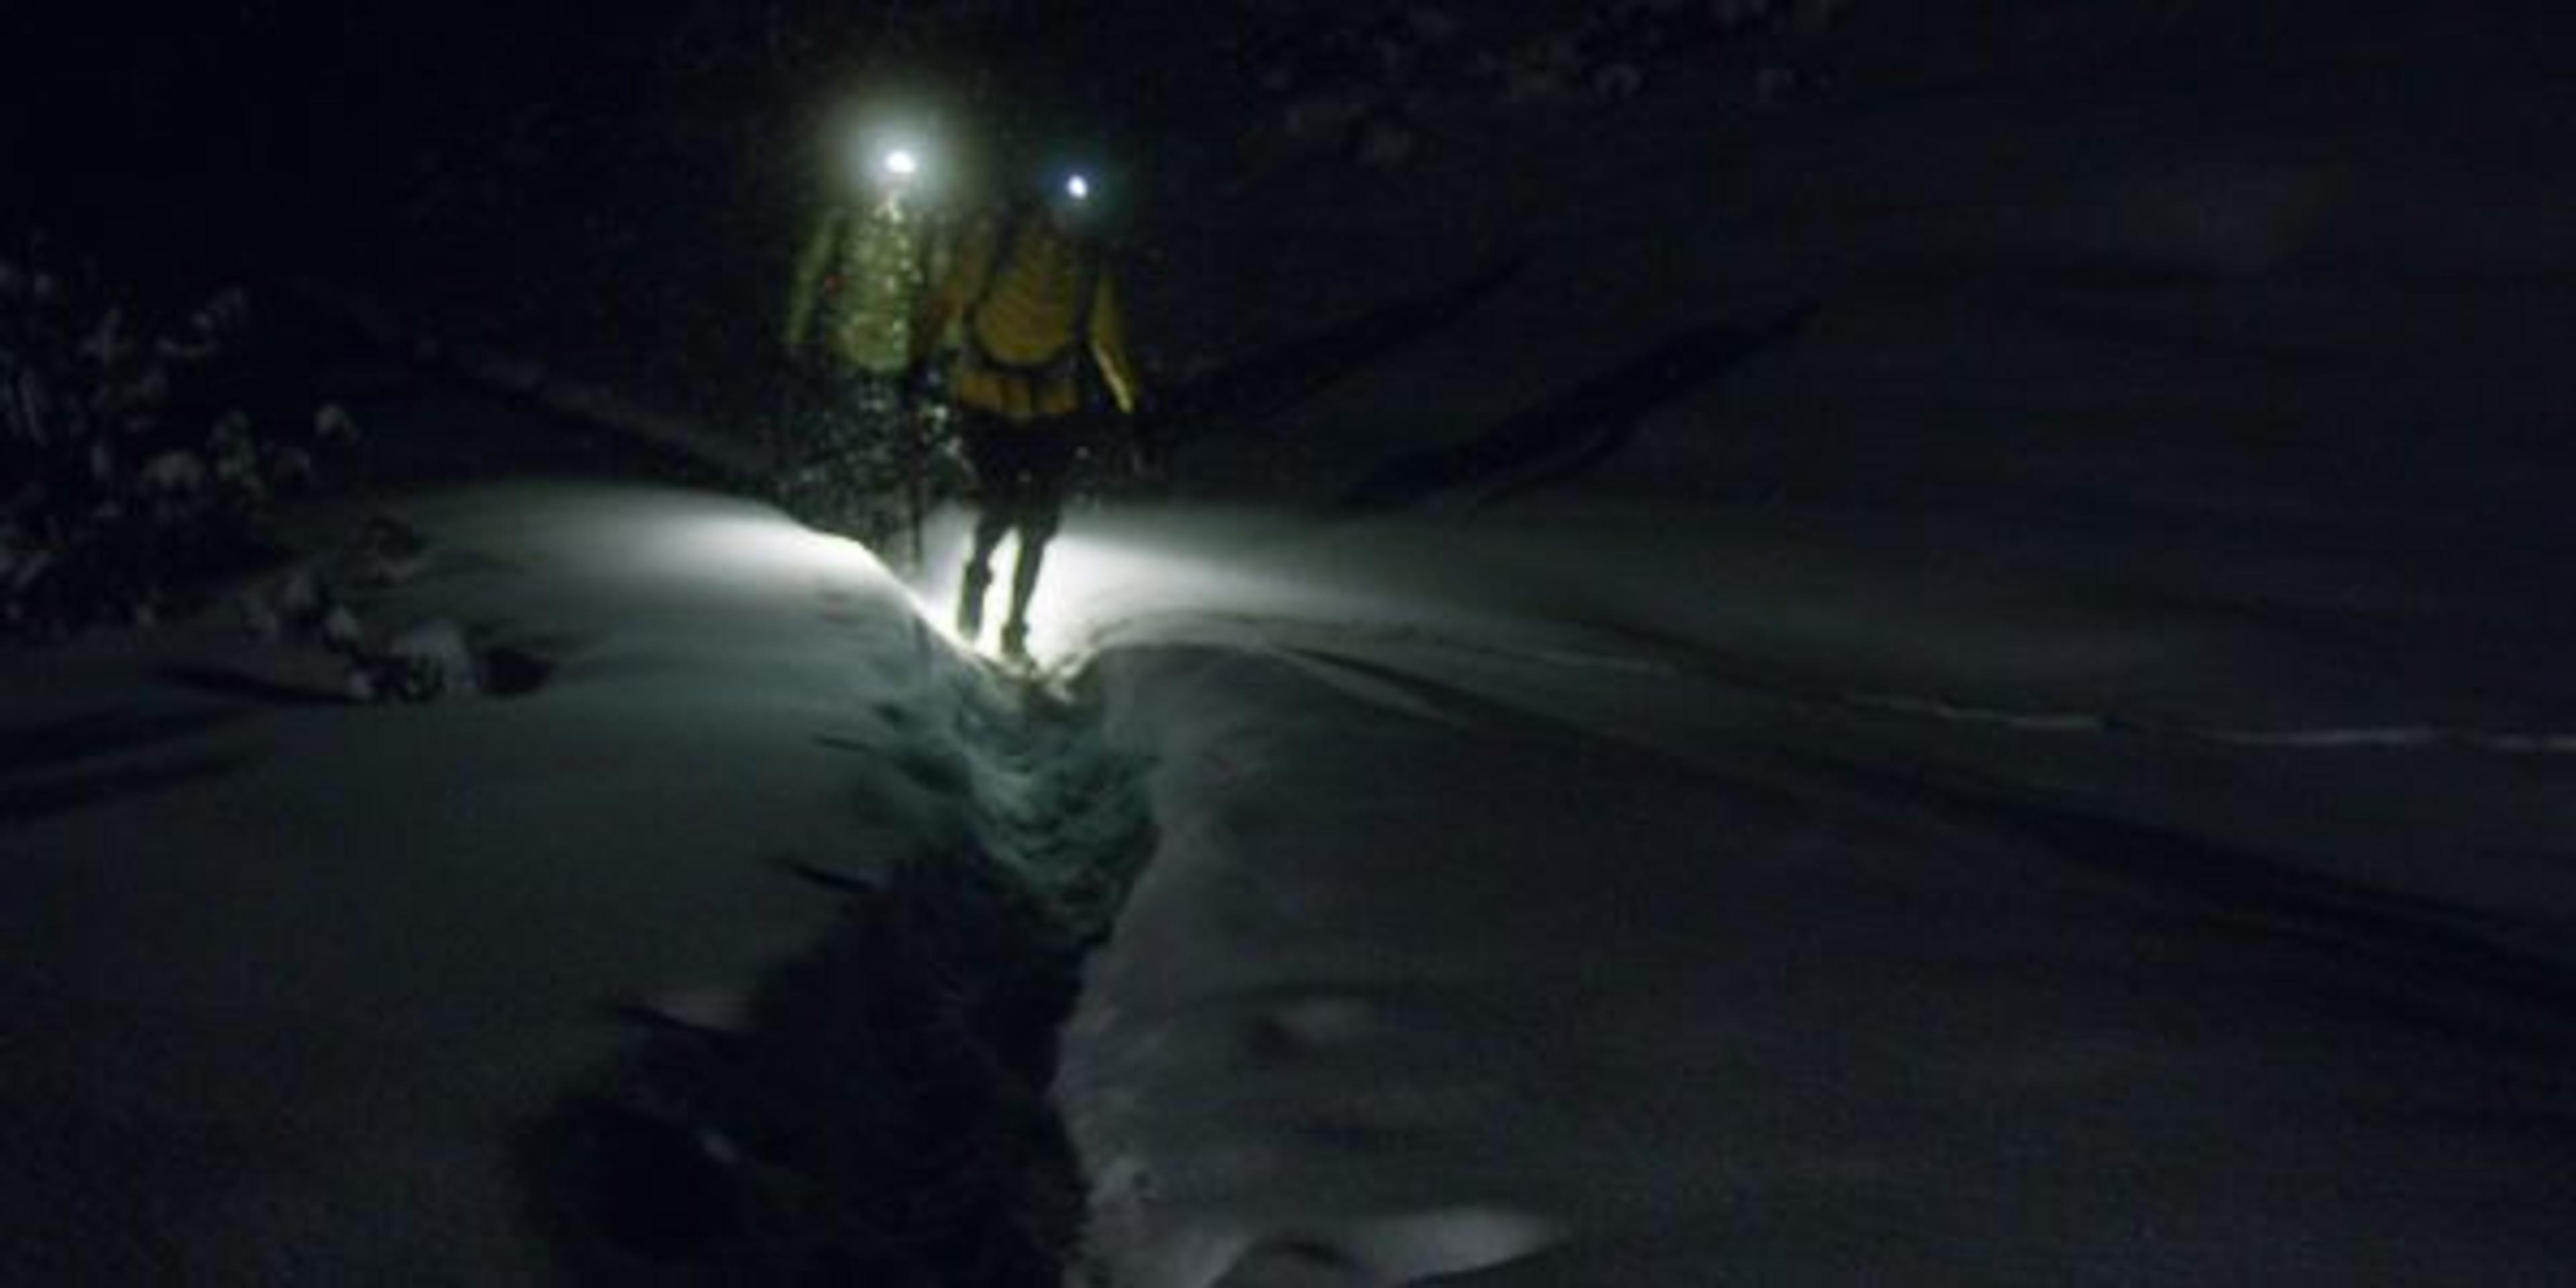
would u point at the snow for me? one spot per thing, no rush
(2058, 773)
(1719, 974)
(285, 973)
(2049, 760)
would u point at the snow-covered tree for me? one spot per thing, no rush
(121, 488)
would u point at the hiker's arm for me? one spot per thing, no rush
(806, 288)
(1109, 345)
(946, 297)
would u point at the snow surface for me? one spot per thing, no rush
(1477, 939)
(285, 973)
(2055, 768)
(1659, 974)
(2058, 771)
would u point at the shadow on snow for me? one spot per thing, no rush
(39, 778)
(878, 1111)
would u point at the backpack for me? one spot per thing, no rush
(1066, 364)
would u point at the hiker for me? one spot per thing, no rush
(857, 289)
(1035, 338)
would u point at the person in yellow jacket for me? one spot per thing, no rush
(1035, 335)
(857, 288)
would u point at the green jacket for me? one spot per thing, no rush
(858, 285)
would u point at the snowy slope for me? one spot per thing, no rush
(1402, 998)
(2057, 770)
(1483, 937)
(285, 976)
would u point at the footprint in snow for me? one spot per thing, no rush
(1413, 1248)
(1310, 1023)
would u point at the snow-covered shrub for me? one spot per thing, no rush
(123, 486)
(322, 606)
(1333, 76)
(1383, 142)
(1615, 82)
(428, 661)
(1323, 117)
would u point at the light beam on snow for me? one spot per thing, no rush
(1115, 576)
(751, 548)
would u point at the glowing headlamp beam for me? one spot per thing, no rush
(902, 163)
(1078, 188)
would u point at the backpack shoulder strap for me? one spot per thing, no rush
(1006, 242)
(1094, 258)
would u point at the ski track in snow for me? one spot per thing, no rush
(2514, 743)
(2314, 738)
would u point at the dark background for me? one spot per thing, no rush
(618, 191)
(615, 189)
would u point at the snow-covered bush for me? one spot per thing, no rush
(1341, 80)
(123, 486)
(321, 607)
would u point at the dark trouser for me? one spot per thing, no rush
(1020, 474)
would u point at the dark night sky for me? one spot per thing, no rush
(252, 116)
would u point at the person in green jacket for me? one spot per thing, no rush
(850, 313)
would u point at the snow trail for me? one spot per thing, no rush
(879, 1106)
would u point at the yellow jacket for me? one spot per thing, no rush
(1023, 325)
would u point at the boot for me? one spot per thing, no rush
(1015, 641)
(970, 602)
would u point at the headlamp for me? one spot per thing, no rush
(883, 161)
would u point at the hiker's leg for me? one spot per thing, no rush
(995, 492)
(1034, 536)
(1041, 513)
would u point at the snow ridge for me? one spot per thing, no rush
(2405, 737)
(2518, 743)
